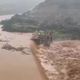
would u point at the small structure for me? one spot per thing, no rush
(42, 37)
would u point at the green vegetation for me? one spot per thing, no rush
(18, 24)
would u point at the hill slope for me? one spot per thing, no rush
(58, 15)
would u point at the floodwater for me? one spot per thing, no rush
(14, 65)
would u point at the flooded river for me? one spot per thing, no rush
(15, 65)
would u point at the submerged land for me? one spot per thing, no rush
(16, 59)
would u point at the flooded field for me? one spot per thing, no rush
(14, 64)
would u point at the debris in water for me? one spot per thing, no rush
(21, 49)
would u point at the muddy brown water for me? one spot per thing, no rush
(13, 64)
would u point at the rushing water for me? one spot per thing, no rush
(15, 65)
